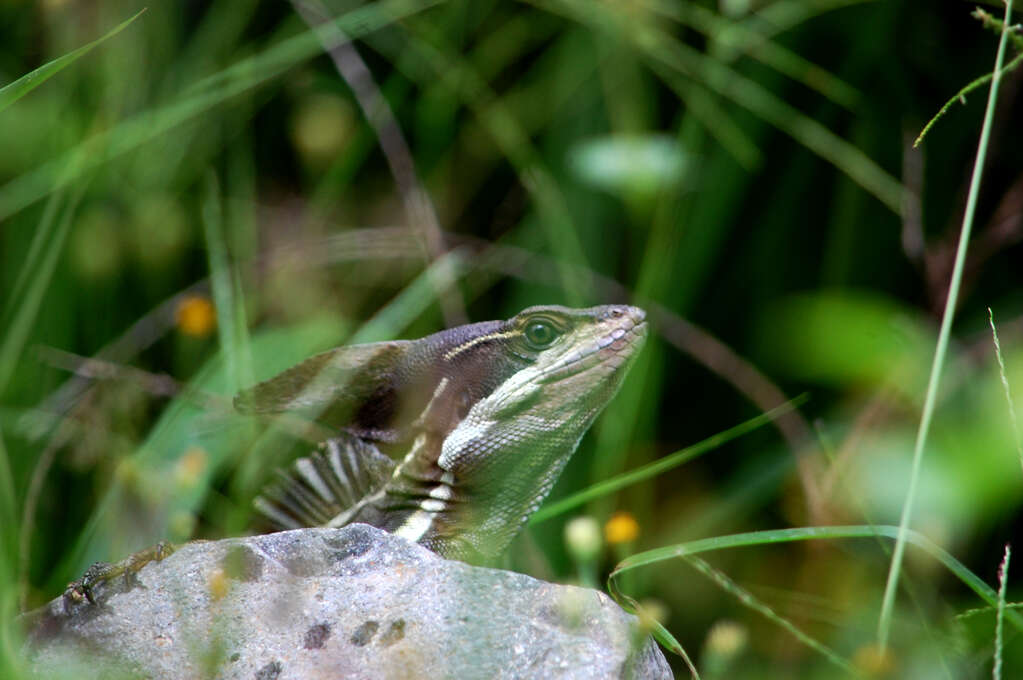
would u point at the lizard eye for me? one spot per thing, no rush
(540, 334)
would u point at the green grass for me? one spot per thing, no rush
(751, 193)
(12, 92)
(884, 624)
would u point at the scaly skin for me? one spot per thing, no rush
(482, 419)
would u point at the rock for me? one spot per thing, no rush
(353, 602)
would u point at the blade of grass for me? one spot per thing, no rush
(12, 92)
(703, 104)
(1005, 386)
(232, 328)
(675, 62)
(780, 16)
(214, 41)
(960, 96)
(31, 262)
(741, 38)
(888, 602)
(8, 501)
(970, 613)
(998, 26)
(750, 601)
(33, 494)
(11, 635)
(272, 61)
(1003, 577)
(666, 463)
(35, 284)
(775, 536)
(660, 633)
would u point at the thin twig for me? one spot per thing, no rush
(1003, 229)
(156, 384)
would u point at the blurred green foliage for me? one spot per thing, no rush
(742, 169)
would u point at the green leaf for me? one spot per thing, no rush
(19, 88)
(228, 301)
(847, 338)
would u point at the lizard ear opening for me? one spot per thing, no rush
(332, 387)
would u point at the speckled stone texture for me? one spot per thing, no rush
(353, 602)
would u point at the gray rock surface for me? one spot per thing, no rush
(353, 602)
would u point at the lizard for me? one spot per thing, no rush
(480, 420)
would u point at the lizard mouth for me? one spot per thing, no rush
(610, 351)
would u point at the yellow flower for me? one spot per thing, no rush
(874, 661)
(621, 528)
(196, 316)
(190, 467)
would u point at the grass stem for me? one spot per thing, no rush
(888, 602)
(1005, 384)
(1003, 577)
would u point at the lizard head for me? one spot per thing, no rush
(389, 391)
(508, 450)
(567, 363)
